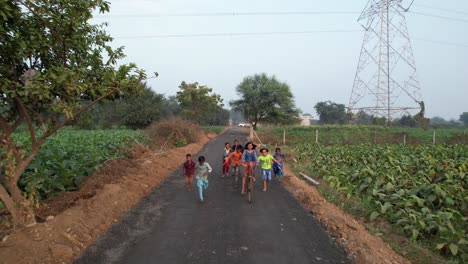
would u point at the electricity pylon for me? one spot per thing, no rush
(386, 84)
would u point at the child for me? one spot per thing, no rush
(278, 168)
(265, 163)
(188, 169)
(236, 144)
(203, 169)
(235, 158)
(227, 150)
(249, 160)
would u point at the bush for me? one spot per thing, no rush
(174, 132)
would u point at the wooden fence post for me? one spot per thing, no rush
(316, 136)
(284, 136)
(434, 138)
(404, 138)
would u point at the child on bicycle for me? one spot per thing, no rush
(265, 163)
(226, 152)
(249, 159)
(188, 169)
(235, 158)
(203, 169)
(278, 167)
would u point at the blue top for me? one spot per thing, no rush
(279, 157)
(249, 157)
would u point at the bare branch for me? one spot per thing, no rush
(77, 114)
(6, 129)
(27, 117)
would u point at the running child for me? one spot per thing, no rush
(226, 152)
(249, 160)
(188, 169)
(203, 169)
(235, 158)
(265, 163)
(278, 167)
(236, 144)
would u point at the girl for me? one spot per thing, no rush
(203, 169)
(235, 159)
(227, 150)
(249, 159)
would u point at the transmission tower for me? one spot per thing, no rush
(386, 84)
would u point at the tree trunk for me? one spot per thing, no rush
(8, 202)
(22, 212)
(254, 126)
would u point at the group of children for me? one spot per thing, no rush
(233, 158)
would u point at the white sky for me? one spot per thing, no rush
(318, 67)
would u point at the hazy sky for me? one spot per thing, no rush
(318, 67)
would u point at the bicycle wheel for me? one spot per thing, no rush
(250, 190)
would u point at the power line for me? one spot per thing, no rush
(239, 34)
(305, 32)
(232, 14)
(462, 45)
(442, 9)
(440, 17)
(214, 14)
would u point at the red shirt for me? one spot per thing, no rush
(189, 167)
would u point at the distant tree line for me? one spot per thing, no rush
(334, 113)
(192, 102)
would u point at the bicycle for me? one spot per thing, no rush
(249, 183)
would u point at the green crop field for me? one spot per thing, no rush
(69, 155)
(329, 135)
(419, 188)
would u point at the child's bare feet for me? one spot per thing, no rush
(264, 189)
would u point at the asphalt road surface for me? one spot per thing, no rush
(171, 226)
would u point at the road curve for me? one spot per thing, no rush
(170, 226)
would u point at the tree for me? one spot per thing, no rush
(437, 120)
(407, 121)
(197, 101)
(170, 107)
(52, 69)
(464, 118)
(331, 113)
(265, 99)
(219, 117)
(364, 118)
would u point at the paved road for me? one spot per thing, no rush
(170, 226)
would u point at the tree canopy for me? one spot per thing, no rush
(264, 99)
(464, 118)
(54, 65)
(331, 113)
(197, 101)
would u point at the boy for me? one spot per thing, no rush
(203, 169)
(265, 163)
(236, 144)
(278, 168)
(188, 169)
(235, 158)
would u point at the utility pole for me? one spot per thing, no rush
(386, 83)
